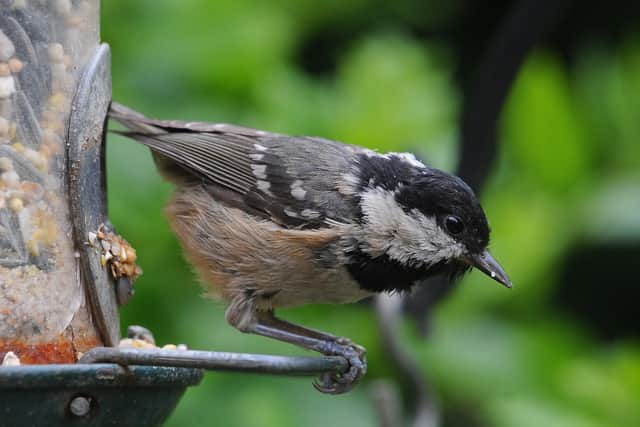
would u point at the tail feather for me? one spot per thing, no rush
(134, 121)
(139, 123)
(140, 128)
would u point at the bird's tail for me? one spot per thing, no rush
(133, 120)
(144, 130)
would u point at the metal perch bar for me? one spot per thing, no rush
(218, 361)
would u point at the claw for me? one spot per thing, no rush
(338, 383)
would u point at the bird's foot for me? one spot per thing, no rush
(338, 383)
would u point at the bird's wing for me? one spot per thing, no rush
(293, 181)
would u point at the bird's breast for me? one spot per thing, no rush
(237, 254)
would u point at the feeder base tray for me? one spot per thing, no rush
(91, 395)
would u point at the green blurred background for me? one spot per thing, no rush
(560, 349)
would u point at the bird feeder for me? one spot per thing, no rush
(57, 299)
(44, 309)
(59, 319)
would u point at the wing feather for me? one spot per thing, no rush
(209, 158)
(291, 181)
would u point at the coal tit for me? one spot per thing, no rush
(273, 221)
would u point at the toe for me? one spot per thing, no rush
(333, 383)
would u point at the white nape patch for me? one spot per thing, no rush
(348, 186)
(290, 212)
(265, 187)
(409, 238)
(310, 213)
(257, 157)
(260, 133)
(259, 147)
(372, 153)
(409, 158)
(297, 191)
(259, 171)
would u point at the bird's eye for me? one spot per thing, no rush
(453, 224)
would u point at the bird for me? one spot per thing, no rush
(270, 221)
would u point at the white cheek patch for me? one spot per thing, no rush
(409, 238)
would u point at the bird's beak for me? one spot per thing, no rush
(486, 263)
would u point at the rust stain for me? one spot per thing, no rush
(79, 337)
(59, 350)
(86, 342)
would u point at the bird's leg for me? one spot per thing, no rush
(266, 324)
(269, 325)
(269, 317)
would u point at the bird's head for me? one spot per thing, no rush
(430, 220)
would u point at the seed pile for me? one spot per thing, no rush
(116, 253)
(141, 337)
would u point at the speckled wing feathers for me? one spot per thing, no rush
(289, 180)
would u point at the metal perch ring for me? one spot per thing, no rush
(218, 361)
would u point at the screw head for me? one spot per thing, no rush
(80, 406)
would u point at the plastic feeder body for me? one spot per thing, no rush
(46, 303)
